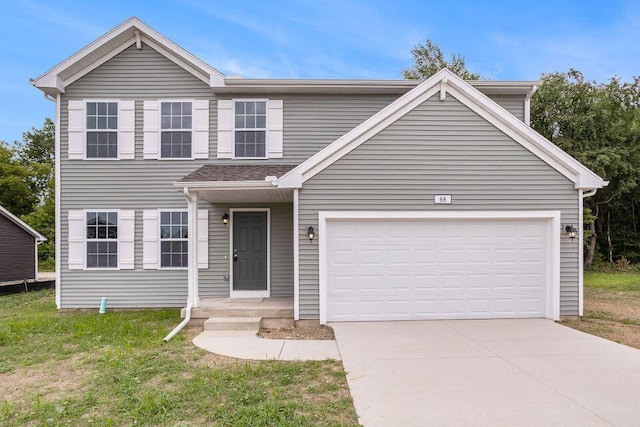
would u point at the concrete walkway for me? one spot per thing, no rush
(247, 345)
(530, 372)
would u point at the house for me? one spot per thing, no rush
(359, 199)
(18, 250)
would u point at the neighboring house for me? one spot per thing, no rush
(361, 199)
(18, 249)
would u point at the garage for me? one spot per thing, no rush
(456, 265)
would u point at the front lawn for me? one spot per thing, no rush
(82, 368)
(611, 307)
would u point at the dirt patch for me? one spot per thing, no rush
(611, 315)
(51, 380)
(316, 332)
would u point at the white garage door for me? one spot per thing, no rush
(435, 269)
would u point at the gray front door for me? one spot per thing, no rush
(249, 251)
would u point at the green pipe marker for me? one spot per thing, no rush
(103, 305)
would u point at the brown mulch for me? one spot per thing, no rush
(318, 332)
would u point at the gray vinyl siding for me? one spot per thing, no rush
(311, 122)
(17, 252)
(441, 147)
(512, 103)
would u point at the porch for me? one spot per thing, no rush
(251, 246)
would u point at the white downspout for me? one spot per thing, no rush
(527, 105)
(192, 272)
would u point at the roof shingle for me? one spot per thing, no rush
(236, 172)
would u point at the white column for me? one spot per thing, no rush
(296, 257)
(192, 276)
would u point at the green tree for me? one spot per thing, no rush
(16, 186)
(599, 125)
(429, 59)
(37, 152)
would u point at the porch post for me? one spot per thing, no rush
(192, 270)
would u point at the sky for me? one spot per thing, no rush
(362, 39)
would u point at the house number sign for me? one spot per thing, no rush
(442, 199)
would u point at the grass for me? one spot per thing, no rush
(82, 368)
(612, 281)
(611, 307)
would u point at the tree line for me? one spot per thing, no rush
(596, 123)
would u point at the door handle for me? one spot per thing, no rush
(235, 254)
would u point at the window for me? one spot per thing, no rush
(102, 130)
(175, 130)
(102, 240)
(250, 129)
(174, 231)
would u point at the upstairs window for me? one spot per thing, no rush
(102, 239)
(174, 243)
(102, 130)
(250, 129)
(175, 130)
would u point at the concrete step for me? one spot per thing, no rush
(239, 311)
(232, 324)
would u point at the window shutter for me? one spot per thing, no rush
(203, 238)
(150, 239)
(225, 129)
(201, 129)
(151, 128)
(274, 123)
(126, 237)
(76, 239)
(77, 122)
(127, 130)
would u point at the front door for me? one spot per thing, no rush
(249, 251)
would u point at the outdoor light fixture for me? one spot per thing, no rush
(225, 219)
(311, 233)
(571, 232)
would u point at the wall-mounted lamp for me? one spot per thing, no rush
(571, 232)
(225, 219)
(311, 233)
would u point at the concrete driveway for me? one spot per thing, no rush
(530, 372)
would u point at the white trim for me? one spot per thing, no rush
(580, 228)
(159, 138)
(266, 128)
(84, 240)
(249, 294)
(11, 217)
(117, 130)
(465, 93)
(296, 257)
(58, 213)
(553, 257)
(226, 185)
(159, 231)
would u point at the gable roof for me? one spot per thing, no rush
(11, 217)
(130, 32)
(444, 81)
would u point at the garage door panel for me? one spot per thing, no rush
(380, 270)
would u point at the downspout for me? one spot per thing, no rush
(527, 105)
(192, 200)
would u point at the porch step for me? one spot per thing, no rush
(268, 308)
(232, 324)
